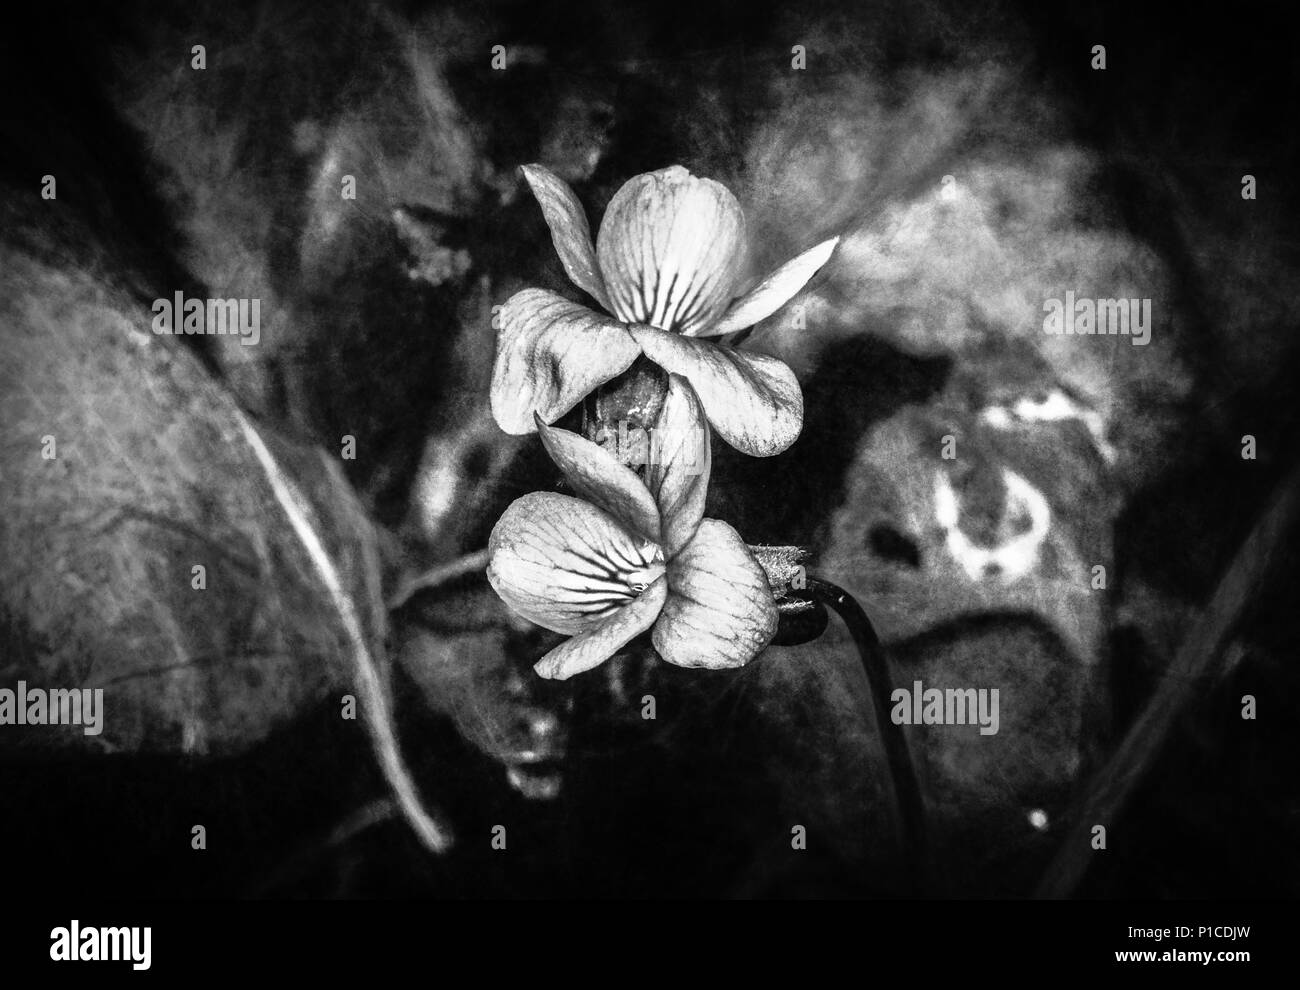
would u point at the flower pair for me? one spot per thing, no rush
(629, 556)
(664, 264)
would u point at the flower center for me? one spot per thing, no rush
(640, 578)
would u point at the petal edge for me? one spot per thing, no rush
(752, 400)
(592, 648)
(597, 476)
(667, 248)
(679, 464)
(570, 232)
(562, 563)
(720, 612)
(551, 353)
(773, 292)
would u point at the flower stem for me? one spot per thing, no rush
(442, 574)
(907, 791)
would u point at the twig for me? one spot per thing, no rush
(907, 791)
(1196, 665)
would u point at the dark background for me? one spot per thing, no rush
(1197, 89)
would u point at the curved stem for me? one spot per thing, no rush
(430, 826)
(907, 791)
(442, 574)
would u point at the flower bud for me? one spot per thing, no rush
(803, 618)
(621, 414)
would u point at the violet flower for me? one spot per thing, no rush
(665, 266)
(626, 558)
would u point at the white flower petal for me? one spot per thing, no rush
(566, 565)
(752, 400)
(773, 292)
(591, 648)
(668, 249)
(679, 463)
(569, 230)
(551, 353)
(719, 611)
(597, 476)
